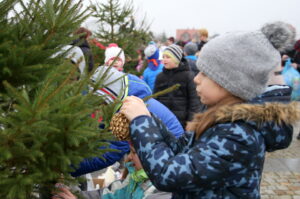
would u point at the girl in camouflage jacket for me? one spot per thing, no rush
(222, 153)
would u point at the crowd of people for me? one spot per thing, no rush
(208, 138)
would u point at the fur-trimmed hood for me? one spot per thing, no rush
(273, 105)
(273, 120)
(260, 113)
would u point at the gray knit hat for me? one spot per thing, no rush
(175, 52)
(114, 83)
(241, 62)
(190, 48)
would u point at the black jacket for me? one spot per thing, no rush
(184, 101)
(85, 47)
(193, 66)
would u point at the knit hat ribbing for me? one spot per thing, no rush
(241, 62)
(175, 52)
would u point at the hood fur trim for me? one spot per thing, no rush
(260, 113)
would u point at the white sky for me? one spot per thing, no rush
(218, 16)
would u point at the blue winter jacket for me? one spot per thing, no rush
(150, 74)
(226, 162)
(139, 88)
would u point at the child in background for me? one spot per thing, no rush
(136, 185)
(116, 83)
(154, 66)
(184, 101)
(222, 155)
(111, 53)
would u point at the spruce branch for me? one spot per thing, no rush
(59, 88)
(163, 92)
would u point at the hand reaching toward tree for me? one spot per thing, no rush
(133, 107)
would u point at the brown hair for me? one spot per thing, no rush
(203, 121)
(83, 30)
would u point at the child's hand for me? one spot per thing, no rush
(64, 193)
(133, 107)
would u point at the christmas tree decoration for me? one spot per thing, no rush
(119, 124)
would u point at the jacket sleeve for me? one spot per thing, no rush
(166, 116)
(90, 61)
(207, 164)
(94, 164)
(157, 81)
(195, 106)
(145, 76)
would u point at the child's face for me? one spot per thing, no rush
(118, 64)
(133, 157)
(168, 62)
(209, 91)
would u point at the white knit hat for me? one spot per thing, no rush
(112, 52)
(150, 50)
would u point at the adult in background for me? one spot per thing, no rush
(190, 49)
(170, 41)
(203, 36)
(82, 42)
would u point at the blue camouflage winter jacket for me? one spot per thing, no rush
(226, 162)
(139, 88)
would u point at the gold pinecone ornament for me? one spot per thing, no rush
(119, 125)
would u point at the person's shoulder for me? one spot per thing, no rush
(238, 131)
(160, 75)
(187, 75)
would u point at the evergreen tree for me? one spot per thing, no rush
(45, 123)
(162, 37)
(117, 25)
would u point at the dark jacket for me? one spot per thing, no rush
(85, 47)
(226, 161)
(184, 101)
(201, 44)
(191, 59)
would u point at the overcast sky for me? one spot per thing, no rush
(218, 16)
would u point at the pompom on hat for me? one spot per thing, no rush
(152, 54)
(112, 52)
(151, 51)
(241, 62)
